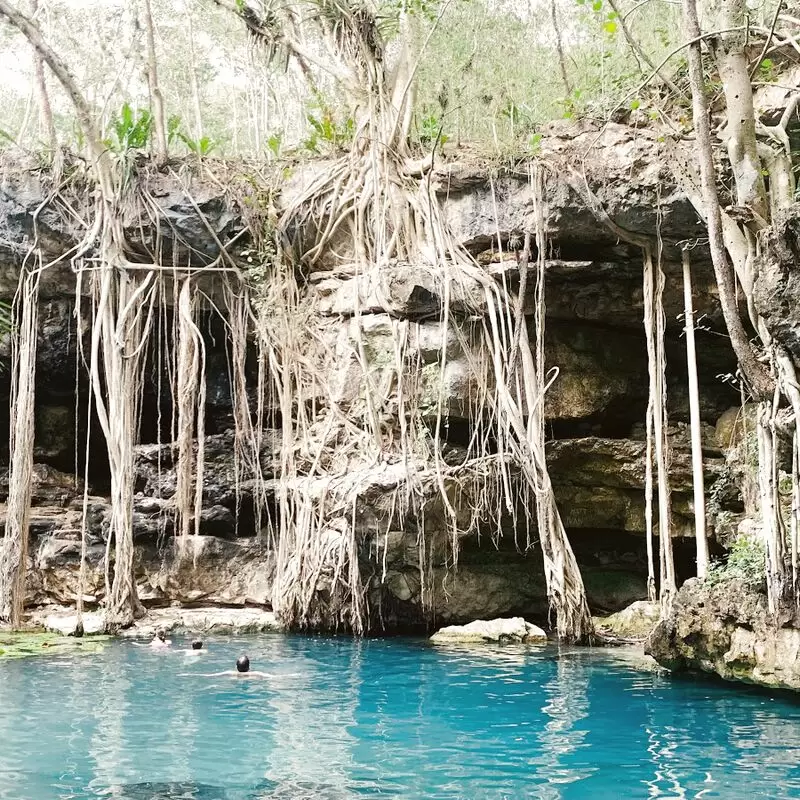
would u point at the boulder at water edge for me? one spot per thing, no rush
(728, 629)
(515, 629)
(634, 622)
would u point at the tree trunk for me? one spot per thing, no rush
(198, 111)
(46, 123)
(732, 61)
(156, 99)
(752, 369)
(562, 62)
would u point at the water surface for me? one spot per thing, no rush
(338, 718)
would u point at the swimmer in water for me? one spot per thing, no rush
(160, 639)
(242, 670)
(197, 649)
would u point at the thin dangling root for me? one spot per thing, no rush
(319, 580)
(14, 546)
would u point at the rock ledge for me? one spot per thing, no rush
(636, 621)
(727, 630)
(208, 620)
(514, 629)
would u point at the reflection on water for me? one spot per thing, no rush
(566, 706)
(108, 744)
(340, 719)
(312, 716)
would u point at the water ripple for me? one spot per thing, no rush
(338, 719)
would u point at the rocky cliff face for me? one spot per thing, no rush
(726, 629)
(595, 409)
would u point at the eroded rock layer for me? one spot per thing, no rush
(726, 629)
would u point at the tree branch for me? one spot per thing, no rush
(641, 54)
(30, 30)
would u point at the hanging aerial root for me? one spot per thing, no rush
(14, 546)
(657, 442)
(123, 310)
(382, 420)
(190, 401)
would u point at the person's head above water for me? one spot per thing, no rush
(197, 645)
(243, 664)
(161, 635)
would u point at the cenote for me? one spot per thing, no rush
(343, 718)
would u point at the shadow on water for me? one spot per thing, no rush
(264, 790)
(740, 689)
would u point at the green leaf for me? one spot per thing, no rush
(597, 5)
(274, 144)
(634, 105)
(610, 27)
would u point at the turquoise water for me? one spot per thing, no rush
(338, 718)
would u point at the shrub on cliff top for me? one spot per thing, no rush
(744, 562)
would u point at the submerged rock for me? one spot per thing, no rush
(29, 644)
(726, 629)
(177, 790)
(634, 622)
(515, 629)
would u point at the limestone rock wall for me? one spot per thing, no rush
(727, 630)
(595, 409)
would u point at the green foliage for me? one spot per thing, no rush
(274, 143)
(607, 18)
(200, 147)
(573, 105)
(766, 70)
(131, 131)
(326, 132)
(745, 562)
(173, 128)
(26, 645)
(430, 131)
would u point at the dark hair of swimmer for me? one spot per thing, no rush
(197, 645)
(243, 664)
(161, 634)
